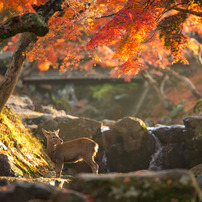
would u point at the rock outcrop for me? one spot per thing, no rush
(125, 146)
(5, 168)
(181, 144)
(162, 186)
(72, 127)
(23, 191)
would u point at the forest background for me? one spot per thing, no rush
(126, 37)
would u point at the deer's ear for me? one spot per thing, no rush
(57, 131)
(44, 132)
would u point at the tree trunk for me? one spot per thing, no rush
(164, 100)
(165, 77)
(141, 100)
(13, 72)
(37, 25)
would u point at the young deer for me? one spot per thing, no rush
(70, 151)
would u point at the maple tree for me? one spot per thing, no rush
(69, 30)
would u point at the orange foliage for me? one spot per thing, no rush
(44, 65)
(134, 26)
(137, 33)
(20, 5)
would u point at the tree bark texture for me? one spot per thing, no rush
(12, 74)
(29, 22)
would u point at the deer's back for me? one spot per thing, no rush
(79, 143)
(74, 150)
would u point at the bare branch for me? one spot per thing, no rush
(178, 77)
(199, 14)
(106, 16)
(152, 82)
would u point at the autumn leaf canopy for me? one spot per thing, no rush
(137, 32)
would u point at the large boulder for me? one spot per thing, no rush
(132, 131)
(125, 146)
(193, 122)
(172, 145)
(180, 144)
(193, 142)
(32, 115)
(162, 186)
(72, 127)
(22, 191)
(169, 134)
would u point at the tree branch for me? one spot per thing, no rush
(106, 16)
(30, 22)
(164, 100)
(179, 77)
(49, 9)
(199, 14)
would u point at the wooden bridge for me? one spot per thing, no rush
(56, 77)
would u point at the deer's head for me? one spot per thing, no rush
(52, 136)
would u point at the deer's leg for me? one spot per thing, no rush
(58, 169)
(94, 166)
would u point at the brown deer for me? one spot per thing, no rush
(70, 151)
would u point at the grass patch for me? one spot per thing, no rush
(25, 151)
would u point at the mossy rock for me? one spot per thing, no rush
(161, 186)
(24, 190)
(22, 154)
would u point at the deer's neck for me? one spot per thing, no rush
(51, 149)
